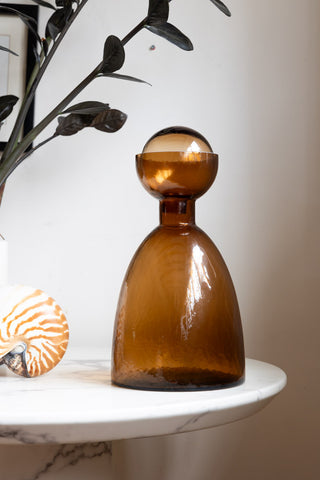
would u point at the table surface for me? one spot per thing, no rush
(76, 402)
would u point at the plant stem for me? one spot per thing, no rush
(134, 31)
(36, 68)
(1, 195)
(11, 163)
(29, 97)
(27, 154)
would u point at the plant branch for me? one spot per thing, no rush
(15, 153)
(1, 196)
(36, 68)
(27, 154)
(134, 31)
(10, 164)
(29, 96)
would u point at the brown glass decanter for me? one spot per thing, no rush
(178, 323)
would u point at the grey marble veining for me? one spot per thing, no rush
(191, 421)
(21, 436)
(56, 462)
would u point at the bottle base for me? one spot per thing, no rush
(178, 380)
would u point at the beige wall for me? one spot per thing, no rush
(74, 213)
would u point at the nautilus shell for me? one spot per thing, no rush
(33, 330)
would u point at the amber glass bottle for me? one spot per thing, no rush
(178, 324)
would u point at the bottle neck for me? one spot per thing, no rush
(176, 212)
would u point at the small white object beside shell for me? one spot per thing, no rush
(34, 331)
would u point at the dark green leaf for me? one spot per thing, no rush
(124, 77)
(172, 34)
(17, 12)
(57, 22)
(113, 55)
(5, 49)
(44, 4)
(89, 108)
(158, 12)
(36, 55)
(7, 102)
(64, 3)
(29, 21)
(109, 121)
(72, 124)
(222, 7)
(45, 46)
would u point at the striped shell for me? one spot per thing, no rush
(33, 330)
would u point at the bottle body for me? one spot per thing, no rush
(178, 324)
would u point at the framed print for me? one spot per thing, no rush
(15, 70)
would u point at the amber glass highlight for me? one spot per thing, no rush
(178, 324)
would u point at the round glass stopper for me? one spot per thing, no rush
(177, 162)
(177, 139)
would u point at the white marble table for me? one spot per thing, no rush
(76, 404)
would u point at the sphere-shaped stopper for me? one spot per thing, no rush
(177, 139)
(177, 162)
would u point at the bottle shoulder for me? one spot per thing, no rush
(164, 244)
